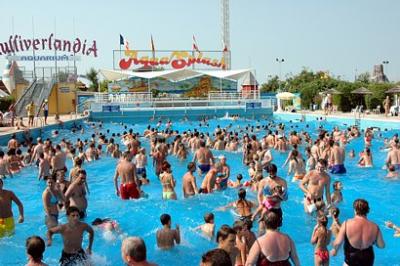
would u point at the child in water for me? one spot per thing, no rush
(337, 195)
(237, 183)
(335, 227)
(109, 227)
(321, 237)
(209, 227)
(270, 201)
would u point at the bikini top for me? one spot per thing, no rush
(53, 198)
(264, 261)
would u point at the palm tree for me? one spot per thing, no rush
(92, 76)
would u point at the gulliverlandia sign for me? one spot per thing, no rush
(77, 46)
(175, 60)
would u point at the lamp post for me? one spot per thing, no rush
(280, 61)
(386, 62)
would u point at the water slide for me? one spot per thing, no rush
(38, 91)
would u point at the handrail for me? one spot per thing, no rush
(48, 88)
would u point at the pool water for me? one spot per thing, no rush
(141, 217)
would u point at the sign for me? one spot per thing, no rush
(17, 44)
(43, 58)
(256, 105)
(168, 59)
(64, 90)
(111, 108)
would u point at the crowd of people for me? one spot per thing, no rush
(237, 244)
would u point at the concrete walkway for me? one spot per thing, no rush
(38, 122)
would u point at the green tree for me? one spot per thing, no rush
(272, 85)
(92, 76)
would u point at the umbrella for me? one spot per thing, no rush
(332, 91)
(394, 90)
(362, 91)
(285, 96)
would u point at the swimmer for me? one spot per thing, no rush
(396, 229)
(189, 181)
(392, 173)
(365, 158)
(352, 154)
(167, 237)
(4, 167)
(72, 234)
(168, 182)
(269, 202)
(51, 197)
(44, 167)
(296, 166)
(204, 157)
(242, 206)
(127, 170)
(107, 225)
(208, 184)
(6, 214)
(237, 183)
(337, 158)
(335, 226)
(337, 195)
(35, 248)
(208, 227)
(321, 237)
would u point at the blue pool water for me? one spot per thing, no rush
(141, 217)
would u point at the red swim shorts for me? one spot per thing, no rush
(129, 191)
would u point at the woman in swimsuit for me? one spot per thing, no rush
(242, 206)
(274, 247)
(51, 197)
(359, 235)
(168, 182)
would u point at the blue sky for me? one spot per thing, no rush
(339, 36)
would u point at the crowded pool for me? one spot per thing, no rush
(141, 217)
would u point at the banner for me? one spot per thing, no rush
(144, 60)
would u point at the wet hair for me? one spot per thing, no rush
(272, 220)
(191, 165)
(165, 166)
(272, 168)
(1, 153)
(208, 217)
(361, 207)
(335, 185)
(323, 220)
(72, 209)
(35, 248)
(242, 194)
(99, 221)
(216, 257)
(224, 232)
(335, 212)
(238, 226)
(239, 177)
(78, 161)
(165, 219)
(323, 162)
(135, 248)
(83, 172)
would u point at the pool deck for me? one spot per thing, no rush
(320, 113)
(50, 122)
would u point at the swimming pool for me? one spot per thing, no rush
(141, 217)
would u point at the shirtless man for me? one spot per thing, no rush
(72, 235)
(167, 237)
(158, 160)
(337, 158)
(127, 170)
(76, 193)
(189, 181)
(209, 180)
(12, 143)
(141, 162)
(37, 150)
(4, 167)
(204, 157)
(133, 251)
(58, 161)
(313, 185)
(6, 215)
(393, 156)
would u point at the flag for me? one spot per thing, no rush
(195, 46)
(225, 48)
(153, 49)
(121, 40)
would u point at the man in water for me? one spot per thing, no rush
(204, 158)
(58, 161)
(167, 237)
(127, 170)
(76, 193)
(209, 180)
(189, 181)
(6, 215)
(337, 158)
(222, 179)
(133, 252)
(72, 234)
(313, 185)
